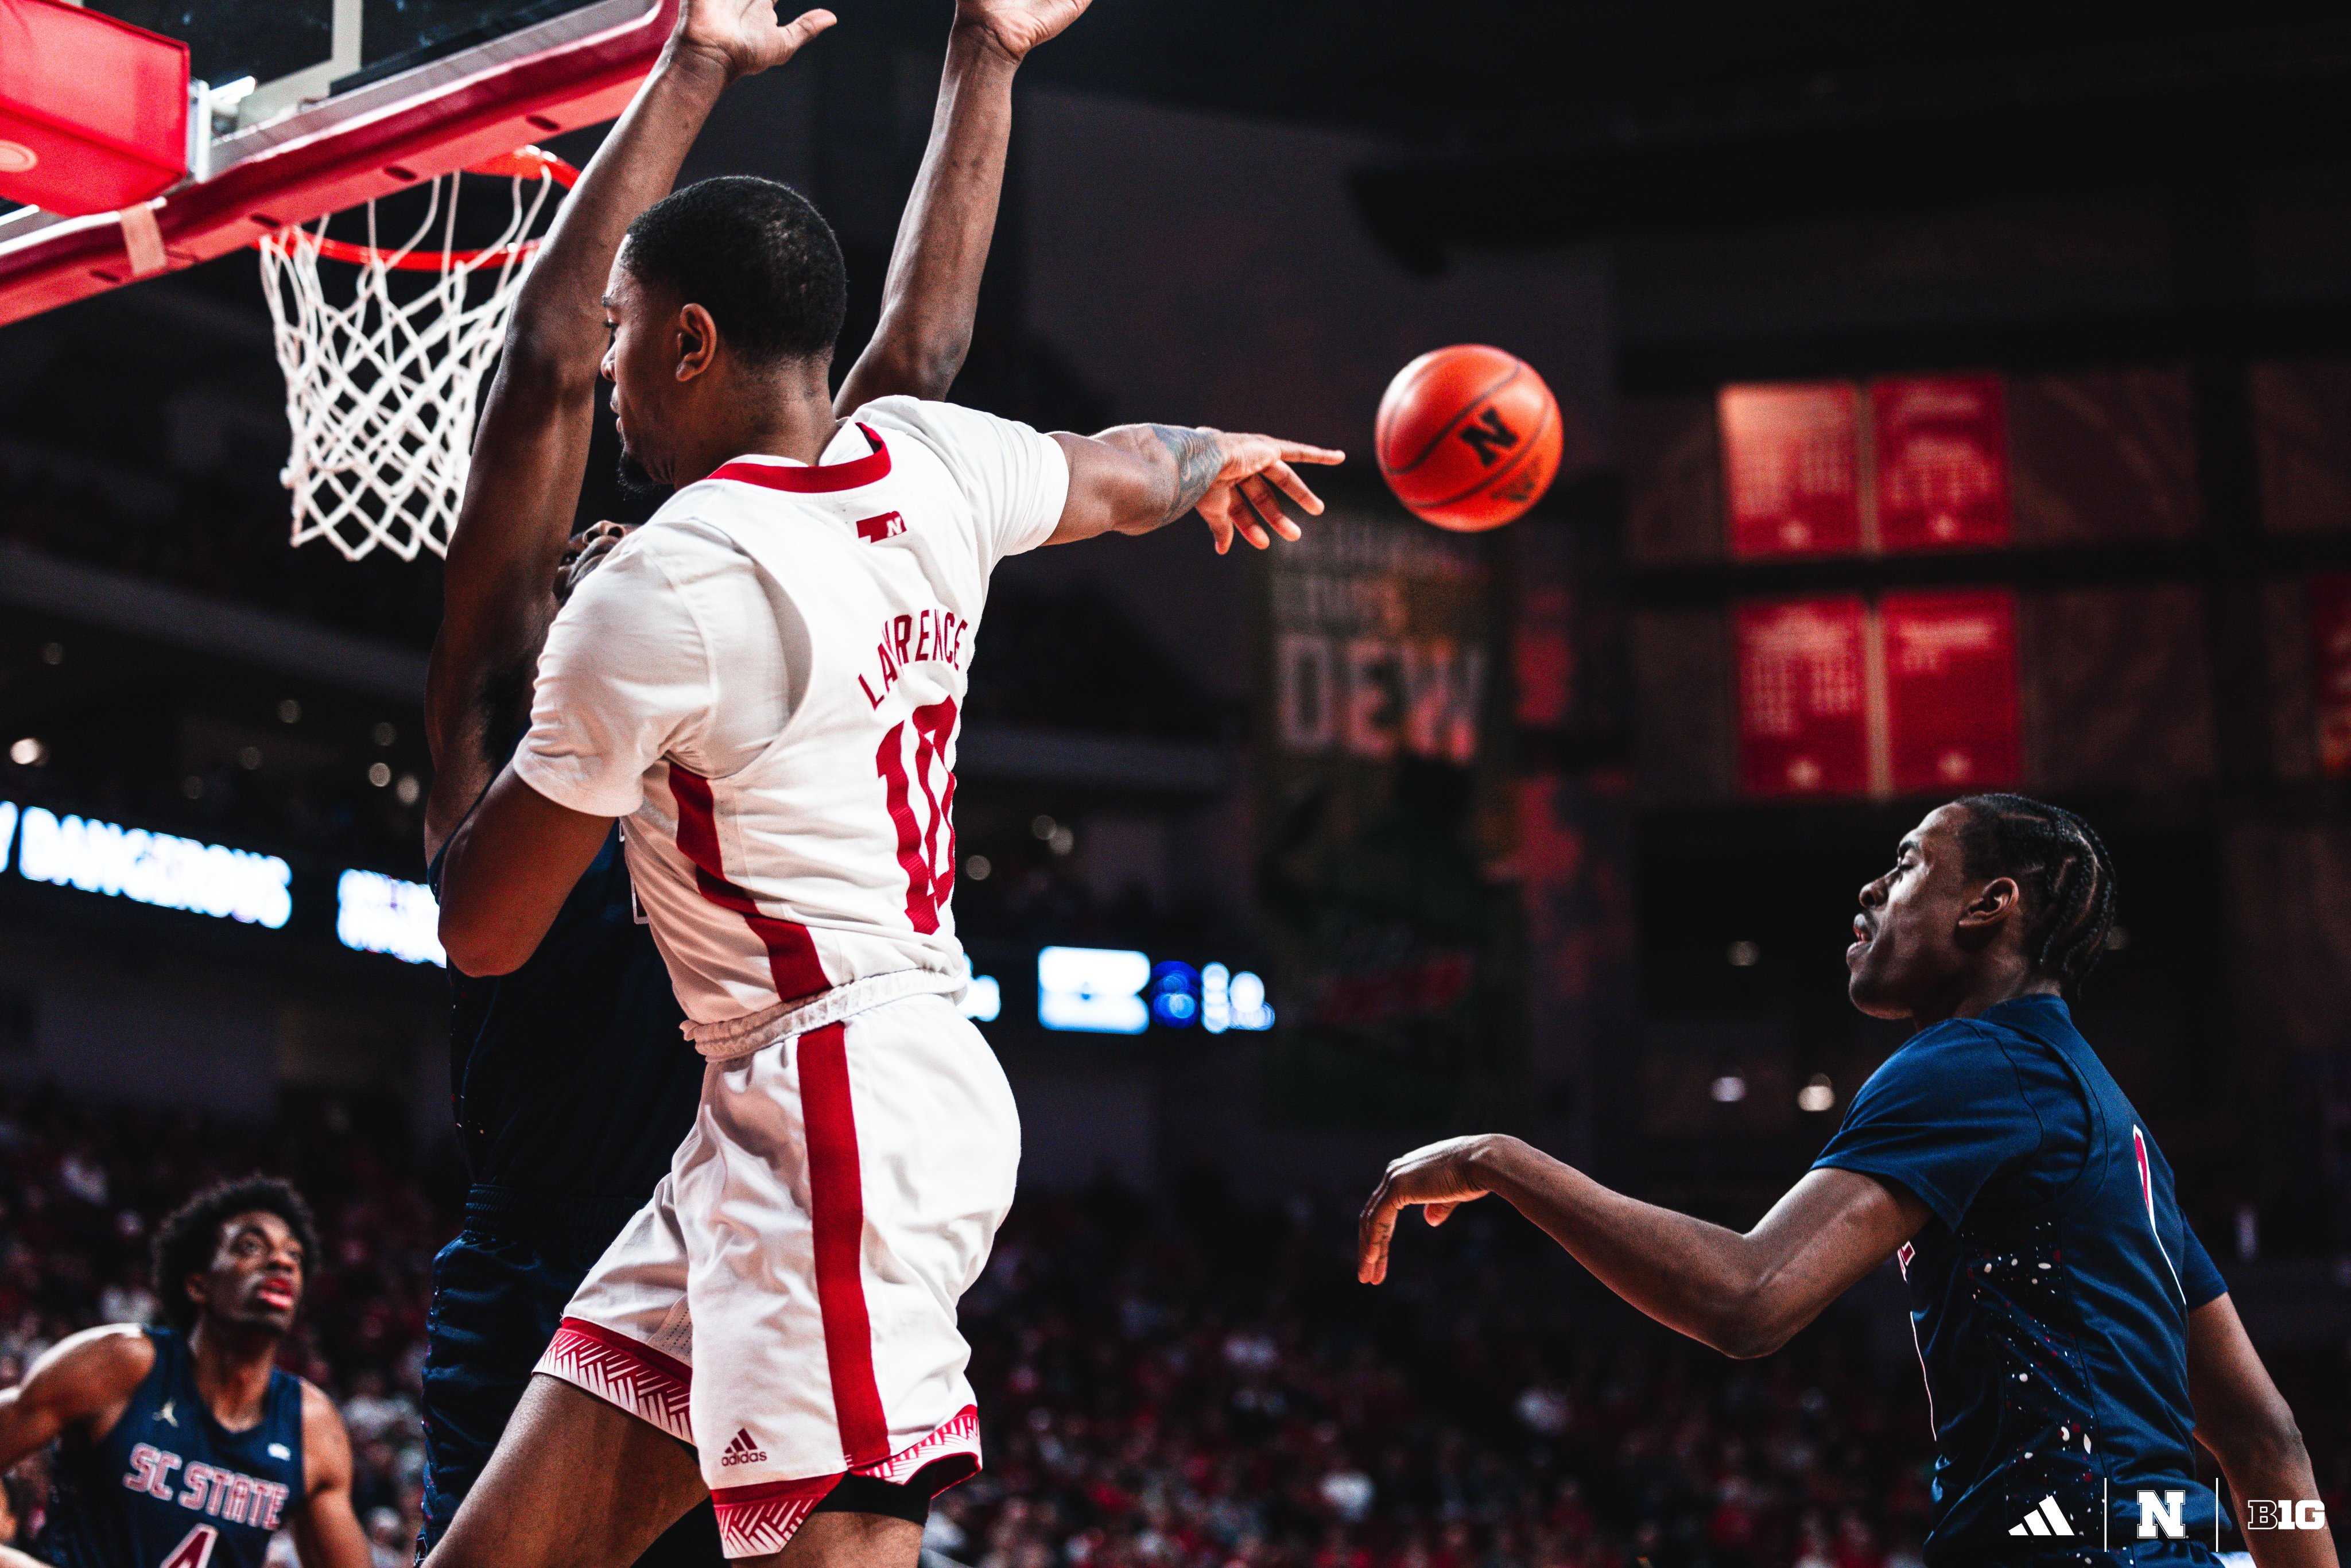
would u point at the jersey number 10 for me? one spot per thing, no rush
(930, 882)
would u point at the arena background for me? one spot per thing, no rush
(1554, 830)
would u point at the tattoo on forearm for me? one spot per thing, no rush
(1197, 459)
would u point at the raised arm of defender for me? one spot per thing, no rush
(532, 446)
(1136, 478)
(531, 450)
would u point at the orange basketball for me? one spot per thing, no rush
(1468, 437)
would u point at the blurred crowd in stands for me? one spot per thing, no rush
(1198, 1382)
(1198, 1385)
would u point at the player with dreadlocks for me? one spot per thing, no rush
(188, 1446)
(2076, 1340)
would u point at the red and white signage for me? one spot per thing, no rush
(1915, 696)
(1792, 468)
(1804, 697)
(1951, 691)
(1940, 460)
(2330, 671)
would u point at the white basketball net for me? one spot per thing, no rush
(382, 378)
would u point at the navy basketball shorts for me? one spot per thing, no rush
(499, 1295)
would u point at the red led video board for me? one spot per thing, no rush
(1940, 450)
(1950, 690)
(1804, 697)
(1792, 468)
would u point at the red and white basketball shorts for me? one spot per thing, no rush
(786, 1301)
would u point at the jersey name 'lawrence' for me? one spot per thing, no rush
(935, 633)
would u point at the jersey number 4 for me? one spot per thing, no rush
(910, 754)
(194, 1550)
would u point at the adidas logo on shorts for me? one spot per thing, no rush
(743, 1452)
(2045, 1520)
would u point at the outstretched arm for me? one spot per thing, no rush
(931, 291)
(1137, 479)
(1745, 1295)
(532, 446)
(2245, 1420)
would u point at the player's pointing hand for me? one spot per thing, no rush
(1242, 499)
(1438, 1177)
(744, 35)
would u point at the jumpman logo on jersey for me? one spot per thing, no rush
(164, 1414)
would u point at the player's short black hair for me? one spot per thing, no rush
(2063, 868)
(755, 255)
(185, 1242)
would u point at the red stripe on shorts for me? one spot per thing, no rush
(792, 961)
(837, 1217)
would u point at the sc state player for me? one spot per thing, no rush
(185, 1447)
(573, 1086)
(2076, 1339)
(767, 681)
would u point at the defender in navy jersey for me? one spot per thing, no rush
(186, 1446)
(572, 1083)
(2077, 1343)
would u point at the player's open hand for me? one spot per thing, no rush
(585, 553)
(1437, 1179)
(1242, 499)
(743, 36)
(1016, 27)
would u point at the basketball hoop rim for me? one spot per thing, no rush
(524, 163)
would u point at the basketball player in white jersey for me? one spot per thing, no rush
(765, 682)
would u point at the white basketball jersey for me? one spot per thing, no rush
(789, 785)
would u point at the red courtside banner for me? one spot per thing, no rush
(1939, 446)
(1792, 468)
(1950, 690)
(1804, 697)
(2330, 671)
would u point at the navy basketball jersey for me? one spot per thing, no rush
(169, 1487)
(571, 1075)
(2050, 1293)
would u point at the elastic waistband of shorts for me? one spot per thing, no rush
(514, 1211)
(740, 1036)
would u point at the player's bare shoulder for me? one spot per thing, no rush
(87, 1378)
(103, 1356)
